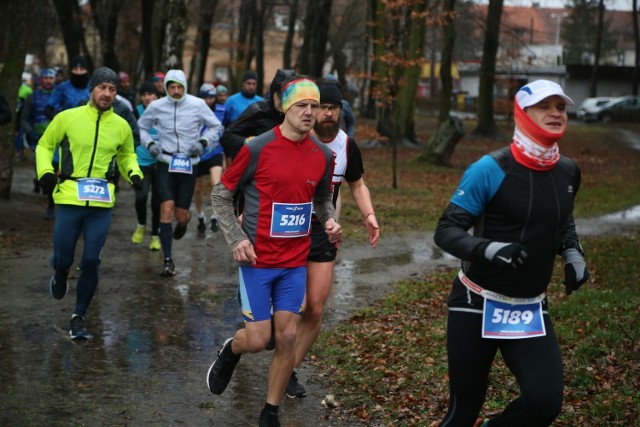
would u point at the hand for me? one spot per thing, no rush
(506, 254)
(154, 150)
(333, 230)
(48, 182)
(196, 150)
(575, 270)
(136, 182)
(244, 252)
(373, 229)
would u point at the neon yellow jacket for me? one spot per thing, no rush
(90, 143)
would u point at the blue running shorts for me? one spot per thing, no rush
(261, 288)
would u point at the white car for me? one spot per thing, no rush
(590, 107)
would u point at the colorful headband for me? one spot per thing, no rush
(298, 90)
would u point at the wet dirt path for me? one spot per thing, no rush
(154, 338)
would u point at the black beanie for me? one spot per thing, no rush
(249, 75)
(278, 79)
(148, 87)
(103, 75)
(78, 61)
(330, 92)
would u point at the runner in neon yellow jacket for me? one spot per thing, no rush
(90, 143)
(91, 140)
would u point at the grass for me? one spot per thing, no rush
(387, 363)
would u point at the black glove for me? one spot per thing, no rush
(506, 254)
(48, 182)
(575, 270)
(136, 182)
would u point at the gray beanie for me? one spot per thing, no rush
(103, 75)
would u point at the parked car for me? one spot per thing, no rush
(623, 109)
(591, 105)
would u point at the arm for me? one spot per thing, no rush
(127, 159)
(237, 132)
(214, 127)
(362, 198)
(26, 115)
(222, 202)
(145, 123)
(452, 236)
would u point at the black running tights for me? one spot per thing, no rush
(535, 362)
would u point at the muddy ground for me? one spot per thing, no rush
(153, 337)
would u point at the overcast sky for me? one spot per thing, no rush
(610, 4)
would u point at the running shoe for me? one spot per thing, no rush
(168, 269)
(222, 368)
(294, 388)
(214, 225)
(269, 419)
(202, 228)
(178, 232)
(58, 285)
(77, 330)
(154, 244)
(138, 235)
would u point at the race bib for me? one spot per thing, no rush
(180, 163)
(503, 320)
(93, 190)
(290, 219)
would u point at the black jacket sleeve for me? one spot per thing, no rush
(452, 234)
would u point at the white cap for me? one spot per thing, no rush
(534, 92)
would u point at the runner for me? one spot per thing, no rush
(519, 201)
(89, 139)
(322, 257)
(271, 244)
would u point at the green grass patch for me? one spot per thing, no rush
(388, 363)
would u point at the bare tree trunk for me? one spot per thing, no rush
(207, 11)
(105, 18)
(486, 122)
(593, 86)
(247, 7)
(316, 36)
(15, 20)
(70, 20)
(636, 38)
(448, 42)
(146, 39)
(175, 31)
(291, 31)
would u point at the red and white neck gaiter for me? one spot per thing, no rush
(533, 146)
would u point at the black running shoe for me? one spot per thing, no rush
(214, 225)
(202, 228)
(222, 368)
(77, 330)
(58, 285)
(168, 269)
(269, 419)
(179, 231)
(294, 388)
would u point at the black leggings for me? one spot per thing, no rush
(535, 362)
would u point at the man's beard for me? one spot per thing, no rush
(326, 130)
